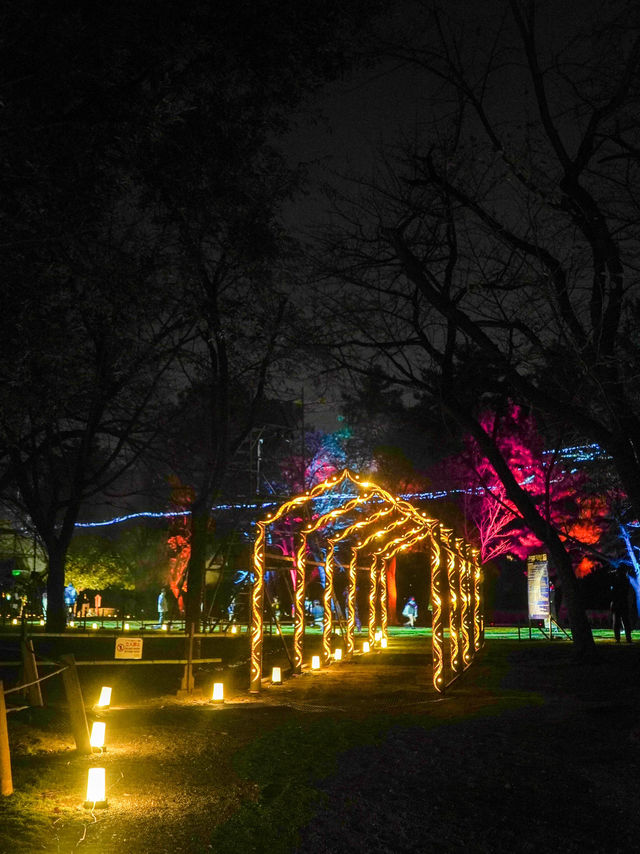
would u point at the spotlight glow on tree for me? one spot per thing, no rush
(558, 492)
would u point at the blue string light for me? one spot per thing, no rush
(169, 514)
(575, 453)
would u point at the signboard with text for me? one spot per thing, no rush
(538, 586)
(127, 647)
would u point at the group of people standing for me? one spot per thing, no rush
(620, 606)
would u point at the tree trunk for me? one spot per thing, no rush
(634, 575)
(579, 624)
(635, 584)
(56, 612)
(196, 568)
(580, 628)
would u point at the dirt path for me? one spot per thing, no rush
(529, 752)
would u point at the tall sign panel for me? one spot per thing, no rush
(538, 585)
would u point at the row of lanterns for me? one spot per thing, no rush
(96, 778)
(126, 627)
(72, 624)
(96, 796)
(276, 676)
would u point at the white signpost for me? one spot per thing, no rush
(128, 647)
(538, 586)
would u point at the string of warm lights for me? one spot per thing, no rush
(327, 623)
(373, 585)
(363, 544)
(465, 599)
(351, 604)
(476, 573)
(405, 510)
(383, 599)
(403, 527)
(454, 631)
(437, 633)
(372, 519)
(257, 600)
(298, 625)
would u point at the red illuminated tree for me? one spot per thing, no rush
(558, 492)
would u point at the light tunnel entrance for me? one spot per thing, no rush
(374, 526)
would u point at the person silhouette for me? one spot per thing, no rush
(620, 611)
(163, 605)
(410, 611)
(70, 597)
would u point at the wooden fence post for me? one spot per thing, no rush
(6, 782)
(187, 685)
(75, 702)
(33, 692)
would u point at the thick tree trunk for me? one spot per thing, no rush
(56, 612)
(635, 584)
(581, 633)
(634, 575)
(196, 568)
(580, 627)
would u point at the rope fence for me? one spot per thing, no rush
(68, 667)
(34, 682)
(108, 663)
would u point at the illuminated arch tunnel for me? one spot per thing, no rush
(375, 526)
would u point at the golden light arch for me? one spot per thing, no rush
(387, 525)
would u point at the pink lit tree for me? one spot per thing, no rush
(556, 491)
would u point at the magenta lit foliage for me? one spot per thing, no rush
(324, 457)
(556, 491)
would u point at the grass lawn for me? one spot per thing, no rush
(528, 752)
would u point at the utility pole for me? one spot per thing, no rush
(303, 449)
(258, 462)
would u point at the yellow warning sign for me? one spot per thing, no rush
(128, 647)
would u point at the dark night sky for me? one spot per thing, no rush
(352, 120)
(371, 107)
(355, 118)
(339, 138)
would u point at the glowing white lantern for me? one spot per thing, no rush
(127, 627)
(234, 630)
(315, 662)
(72, 623)
(42, 622)
(165, 628)
(378, 637)
(384, 643)
(218, 692)
(365, 646)
(105, 697)
(96, 738)
(276, 676)
(94, 625)
(95, 788)
(337, 654)
(14, 622)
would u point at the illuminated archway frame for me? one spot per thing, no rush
(461, 580)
